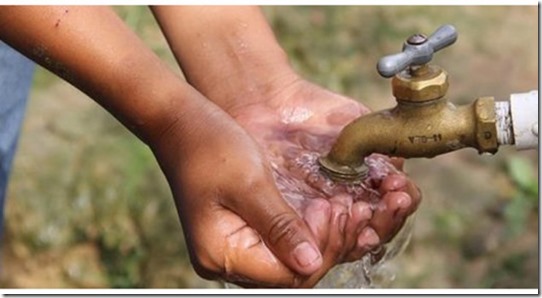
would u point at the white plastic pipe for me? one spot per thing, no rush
(517, 120)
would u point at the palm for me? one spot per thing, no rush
(293, 131)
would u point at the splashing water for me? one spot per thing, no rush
(293, 155)
(366, 273)
(303, 165)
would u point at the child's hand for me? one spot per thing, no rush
(231, 56)
(296, 126)
(237, 225)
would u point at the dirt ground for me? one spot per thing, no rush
(87, 206)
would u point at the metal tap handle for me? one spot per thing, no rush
(417, 50)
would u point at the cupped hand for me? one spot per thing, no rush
(294, 127)
(237, 225)
(230, 183)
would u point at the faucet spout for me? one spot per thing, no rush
(424, 123)
(412, 129)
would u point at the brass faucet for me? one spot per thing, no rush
(423, 123)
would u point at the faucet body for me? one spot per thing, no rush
(423, 123)
(412, 129)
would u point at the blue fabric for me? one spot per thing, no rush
(15, 80)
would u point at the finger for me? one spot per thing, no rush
(223, 246)
(334, 250)
(339, 217)
(317, 216)
(214, 254)
(390, 214)
(366, 241)
(415, 194)
(399, 182)
(398, 163)
(393, 182)
(247, 256)
(284, 232)
(360, 215)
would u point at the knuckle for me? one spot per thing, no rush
(284, 227)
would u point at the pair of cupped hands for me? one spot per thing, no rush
(249, 217)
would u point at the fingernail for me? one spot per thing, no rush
(404, 200)
(368, 238)
(394, 182)
(361, 212)
(305, 254)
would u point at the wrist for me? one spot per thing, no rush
(249, 82)
(147, 105)
(229, 54)
(179, 112)
(244, 69)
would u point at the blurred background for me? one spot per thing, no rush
(88, 206)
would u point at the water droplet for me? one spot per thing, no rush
(299, 178)
(313, 178)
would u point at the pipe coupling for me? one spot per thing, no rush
(486, 124)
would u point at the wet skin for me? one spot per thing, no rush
(244, 230)
(303, 119)
(237, 224)
(235, 61)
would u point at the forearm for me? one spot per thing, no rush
(92, 49)
(226, 52)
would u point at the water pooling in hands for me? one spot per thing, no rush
(366, 214)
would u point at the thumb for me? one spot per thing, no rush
(284, 232)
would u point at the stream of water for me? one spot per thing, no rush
(298, 177)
